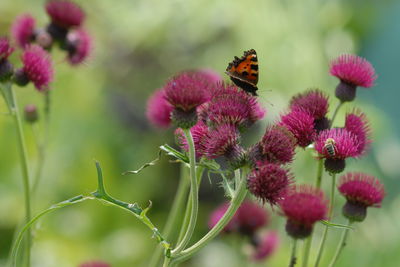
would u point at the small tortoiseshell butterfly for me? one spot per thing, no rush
(244, 71)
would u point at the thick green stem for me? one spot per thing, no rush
(173, 217)
(319, 173)
(293, 258)
(236, 201)
(341, 245)
(194, 193)
(339, 105)
(330, 213)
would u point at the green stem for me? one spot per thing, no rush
(173, 215)
(293, 258)
(319, 173)
(330, 213)
(339, 105)
(194, 193)
(24, 164)
(236, 201)
(341, 245)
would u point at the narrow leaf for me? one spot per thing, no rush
(151, 163)
(336, 225)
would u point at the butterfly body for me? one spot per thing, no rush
(244, 71)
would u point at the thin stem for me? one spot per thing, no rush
(293, 258)
(319, 173)
(236, 201)
(194, 192)
(341, 245)
(330, 213)
(339, 105)
(172, 219)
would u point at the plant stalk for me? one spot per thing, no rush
(293, 258)
(341, 245)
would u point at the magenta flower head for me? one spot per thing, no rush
(158, 110)
(233, 106)
(303, 206)
(277, 146)
(251, 217)
(269, 182)
(23, 30)
(6, 68)
(266, 246)
(361, 191)
(210, 75)
(199, 134)
(224, 141)
(185, 92)
(357, 124)
(335, 145)
(65, 14)
(216, 216)
(301, 124)
(352, 71)
(37, 68)
(315, 102)
(79, 46)
(95, 264)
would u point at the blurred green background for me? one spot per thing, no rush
(98, 113)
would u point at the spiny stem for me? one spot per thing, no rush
(194, 193)
(330, 213)
(293, 258)
(341, 245)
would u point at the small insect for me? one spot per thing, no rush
(330, 147)
(244, 71)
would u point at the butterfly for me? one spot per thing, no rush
(244, 71)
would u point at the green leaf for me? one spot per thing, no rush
(336, 225)
(174, 153)
(151, 163)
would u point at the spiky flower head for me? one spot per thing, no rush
(357, 123)
(361, 191)
(199, 134)
(277, 145)
(251, 217)
(37, 68)
(23, 30)
(64, 13)
(269, 182)
(6, 68)
(314, 101)
(158, 110)
(233, 106)
(79, 46)
(5, 48)
(301, 124)
(352, 71)
(95, 264)
(335, 145)
(210, 75)
(303, 206)
(216, 216)
(266, 246)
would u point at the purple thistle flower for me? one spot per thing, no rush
(233, 106)
(95, 264)
(314, 101)
(23, 30)
(65, 14)
(277, 145)
(217, 214)
(352, 71)
(251, 217)
(79, 46)
(301, 124)
(344, 142)
(303, 206)
(357, 124)
(38, 67)
(5, 48)
(269, 182)
(266, 246)
(199, 134)
(210, 75)
(158, 110)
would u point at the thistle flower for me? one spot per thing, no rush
(31, 113)
(79, 46)
(269, 182)
(352, 71)
(6, 68)
(185, 93)
(301, 124)
(216, 216)
(357, 124)
(335, 145)
(277, 146)
(199, 134)
(95, 264)
(37, 68)
(233, 106)
(23, 30)
(361, 191)
(303, 206)
(65, 14)
(210, 75)
(251, 217)
(266, 246)
(314, 101)
(158, 110)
